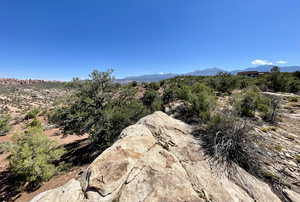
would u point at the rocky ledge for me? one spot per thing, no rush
(158, 160)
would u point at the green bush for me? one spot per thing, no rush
(33, 156)
(114, 119)
(4, 124)
(297, 157)
(200, 97)
(250, 101)
(293, 99)
(169, 95)
(153, 85)
(32, 114)
(99, 109)
(152, 100)
(5, 147)
(202, 100)
(223, 82)
(35, 123)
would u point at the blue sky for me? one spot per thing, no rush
(61, 39)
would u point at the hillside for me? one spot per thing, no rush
(196, 138)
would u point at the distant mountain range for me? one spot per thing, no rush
(204, 72)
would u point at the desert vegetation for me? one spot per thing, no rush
(4, 124)
(32, 157)
(232, 115)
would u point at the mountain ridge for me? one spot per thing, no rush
(204, 72)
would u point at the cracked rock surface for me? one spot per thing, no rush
(158, 160)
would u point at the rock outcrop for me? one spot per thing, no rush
(158, 160)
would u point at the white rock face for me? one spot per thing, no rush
(158, 160)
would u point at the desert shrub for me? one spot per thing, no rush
(114, 119)
(223, 82)
(297, 157)
(153, 85)
(169, 95)
(99, 109)
(283, 82)
(4, 124)
(271, 109)
(293, 85)
(229, 142)
(250, 101)
(200, 97)
(202, 100)
(32, 114)
(33, 156)
(35, 123)
(5, 147)
(149, 97)
(133, 83)
(297, 74)
(152, 100)
(293, 99)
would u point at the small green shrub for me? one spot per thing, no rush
(202, 100)
(33, 156)
(133, 83)
(35, 123)
(114, 119)
(250, 101)
(169, 95)
(5, 147)
(153, 85)
(200, 97)
(278, 148)
(4, 124)
(223, 82)
(297, 157)
(293, 99)
(152, 100)
(32, 114)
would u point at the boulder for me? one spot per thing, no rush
(158, 160)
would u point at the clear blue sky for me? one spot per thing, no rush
(61, 39)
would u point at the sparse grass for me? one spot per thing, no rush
(32, 114)
(35, 123)
(228, 142)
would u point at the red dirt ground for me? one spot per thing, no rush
(53, 134)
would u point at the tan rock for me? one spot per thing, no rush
(158, 160)
(69, 192)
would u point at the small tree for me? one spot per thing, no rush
(99, 109)
(32, 157)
